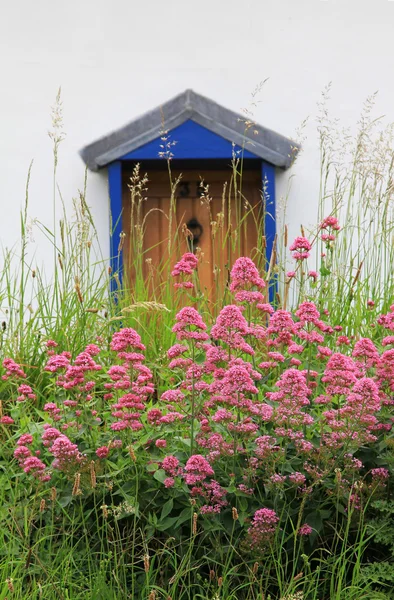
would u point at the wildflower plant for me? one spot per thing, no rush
(257, 429)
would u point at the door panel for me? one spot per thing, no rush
(219, 244)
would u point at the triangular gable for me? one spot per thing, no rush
(188, 117)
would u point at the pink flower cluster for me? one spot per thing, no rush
(12, 369)
(30, 463)
(131, 378)
(245, 281)
(300, 248)
(184, 269)
(232, 328)
(197, 469)
(331, 224)
(262, 530)
(190, 326)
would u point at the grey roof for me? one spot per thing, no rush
(265, 143)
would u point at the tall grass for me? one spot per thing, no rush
(356, 186)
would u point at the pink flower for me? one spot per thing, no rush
(297, 478)
(21, 453)
(186, 265)
(213, 494)
(231, 327)
(305, 529)
(5, 420)
(292, 397)
(51, 344)
(154, 415)
(125, 339)
(222, 415)
(102, 452)
(263, 527)
(238, 380)
(339, 374)
(119, 426)
(12, 369)
(307, 312)
(300, 248)
(52, 408)
(25, 392)
(313, 275)
(245, 490)
(176, 350)
(189, 325)
(295, 349)
(249, 296)
(330, 222)
(186, 285)
(277, 356)
(170, 417)
(244, 274)
(173, 396)
(197, 469)
(281, 328)
(380, 473)
(25, 440)
(161, 443)
(92, 349)
(323, 351)
(365, 350)
(387, 321)
(50, 434)
(86, 363)
(266, 308)
(65, 452)
(35, 467)
(169, 482)
(170, 464)
(277, 479)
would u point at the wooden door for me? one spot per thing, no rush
(225, 218)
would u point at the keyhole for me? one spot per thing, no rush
(196, 229)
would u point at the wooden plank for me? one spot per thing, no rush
(219, 252)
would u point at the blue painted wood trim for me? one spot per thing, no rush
(191, 141)
(115, 194)
(268, 183)
(268, 179)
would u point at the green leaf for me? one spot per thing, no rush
(243, 503)
(160, 475)
(314, 519)
(152, 467)
(167, 508)
(200, 359)
(184, 441)
(166, 524)
(65, 499)
(184, 516)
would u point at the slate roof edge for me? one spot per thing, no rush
(266, 144)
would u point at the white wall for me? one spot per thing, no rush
(116, 59)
